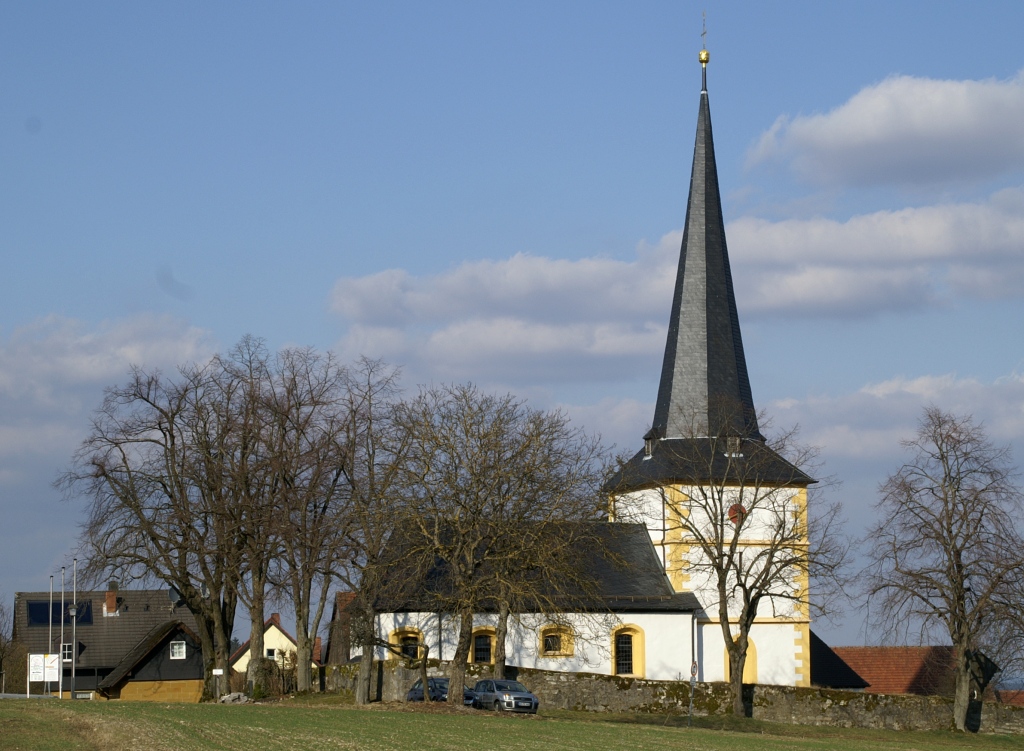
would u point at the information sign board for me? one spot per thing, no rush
(51, 668)
(35, 667)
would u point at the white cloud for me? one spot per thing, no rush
(54, 370)
(885, 260)
(530, 317)
(906, 130)
(870, 423)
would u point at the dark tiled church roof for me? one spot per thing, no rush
(618, 563)
(704, 368)
(696, 461)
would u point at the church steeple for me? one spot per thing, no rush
(704, 389)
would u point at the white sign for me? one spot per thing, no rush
(35, 667)
(218, 671)
(44, 668)
(51, 668)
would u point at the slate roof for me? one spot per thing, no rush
(140, 651)
(619, 562)
(106, 640)
(705, 460)
(704, 384)
(828, 670)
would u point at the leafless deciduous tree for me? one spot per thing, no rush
(213, 480)
(947, 556)
(308, 418)
(161, 500)
(482, 477)
(737, 508)
(373, 449)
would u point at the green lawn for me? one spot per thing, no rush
(325, 724)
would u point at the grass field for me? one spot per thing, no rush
(324, 724)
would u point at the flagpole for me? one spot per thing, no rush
(60, 675)
(74, 626)
(49, 643)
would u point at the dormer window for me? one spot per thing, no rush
(733, 447)
(650, 441)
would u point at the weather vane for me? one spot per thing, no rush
(704, 56)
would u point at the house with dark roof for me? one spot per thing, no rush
(117, 644)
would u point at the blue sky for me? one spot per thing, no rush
(496, 194)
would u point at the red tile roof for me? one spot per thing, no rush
(901, 670)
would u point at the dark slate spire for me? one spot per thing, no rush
(704, 388)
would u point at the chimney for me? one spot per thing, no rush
(275, 618)
(316, 650)
(110, 605)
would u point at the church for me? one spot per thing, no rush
(708, 522)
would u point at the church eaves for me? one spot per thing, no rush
(704, 388)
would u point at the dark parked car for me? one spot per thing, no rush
(437, 688)
(510, 696)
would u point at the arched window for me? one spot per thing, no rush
(556, 641)
(749, 665)
(408, 640)
(628, 651)
(482, 648)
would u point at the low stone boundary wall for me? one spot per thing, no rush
(603, 693)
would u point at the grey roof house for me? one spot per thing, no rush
(127, 644)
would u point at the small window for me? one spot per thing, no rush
(177, 650)
(67, 652)
(624, 654)
(410, 647)
(271, 654)
(556, 641)
(482, 648)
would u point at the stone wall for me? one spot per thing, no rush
(602, 693)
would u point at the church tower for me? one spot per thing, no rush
(719, 502)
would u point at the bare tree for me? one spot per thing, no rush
(372, 451)
(482, 477)
(161, 503)
(738, 507)
(308, 420)
(947, 556)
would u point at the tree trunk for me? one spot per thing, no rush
(500, 635)
(205, 633)
(253, 675)
(737, 660)
(365, 673)
(303, 659)
(424, 653)
(962, 694)
(457, 679)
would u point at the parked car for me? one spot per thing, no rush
(437, 689)
(510, 696)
